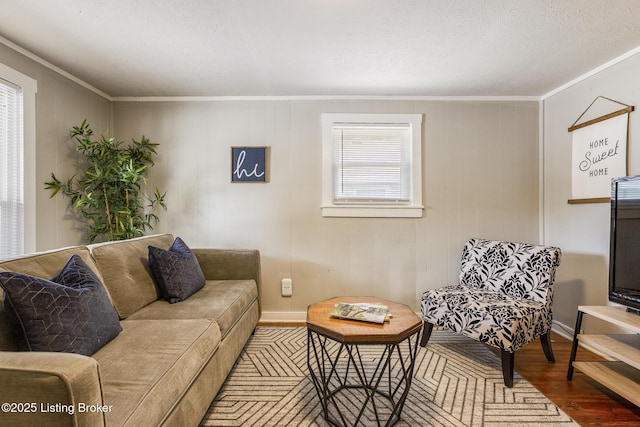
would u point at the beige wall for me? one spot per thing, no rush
(582, 230)
(480, 179)
(60, 104)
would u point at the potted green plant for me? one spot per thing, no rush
(108, 194)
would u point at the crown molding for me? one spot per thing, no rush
(52, 67)
(108, 97)
(321, 98)
(592, 73)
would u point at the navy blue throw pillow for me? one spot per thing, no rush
(176, 271)
(70, 313)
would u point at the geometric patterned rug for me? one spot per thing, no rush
(457, 383)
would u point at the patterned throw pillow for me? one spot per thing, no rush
(70, 313)
(176, 271)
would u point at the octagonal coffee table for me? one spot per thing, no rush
(361, 371)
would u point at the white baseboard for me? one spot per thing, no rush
(567, 332)
(562, 330)
(288, 316)
(283, 317)
(297, 317)
(301, 317)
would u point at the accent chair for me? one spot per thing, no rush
(503, 298)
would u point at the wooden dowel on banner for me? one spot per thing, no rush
(602, 118)
(593, 200)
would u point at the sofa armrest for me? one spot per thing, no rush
(231, 264)
(52, 389)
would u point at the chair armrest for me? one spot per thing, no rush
(52, 389)
(231, 264)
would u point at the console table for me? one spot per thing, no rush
(622, 373)
(342, 365)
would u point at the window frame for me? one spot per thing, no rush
(412, 209)
(29, 89)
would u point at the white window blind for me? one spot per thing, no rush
(371, 163)
(11, 171)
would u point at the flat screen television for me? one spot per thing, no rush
(624, 255)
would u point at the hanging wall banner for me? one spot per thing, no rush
(599, 153)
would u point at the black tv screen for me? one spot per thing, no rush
(624, 256)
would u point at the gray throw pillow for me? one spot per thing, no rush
(70, 313)
(176, 271)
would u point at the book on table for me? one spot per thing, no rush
(365, 312)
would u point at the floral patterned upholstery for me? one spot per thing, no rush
(504, 296)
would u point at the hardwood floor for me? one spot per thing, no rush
(582, 398)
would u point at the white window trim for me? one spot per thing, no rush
(29, 88)
(413, 210)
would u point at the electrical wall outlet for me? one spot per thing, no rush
(287, 287)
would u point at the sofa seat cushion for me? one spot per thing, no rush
(146, 368)
(495, 318)
(221, 300)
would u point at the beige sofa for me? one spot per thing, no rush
(165, 366)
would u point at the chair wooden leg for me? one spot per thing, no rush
(427, 328)
(545, 340)
(507, 367)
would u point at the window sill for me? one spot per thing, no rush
(334, 211)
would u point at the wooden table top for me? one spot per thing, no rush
(403, 323)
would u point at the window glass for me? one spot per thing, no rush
(372, 165)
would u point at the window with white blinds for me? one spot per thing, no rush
(11, 171)
(372, 165)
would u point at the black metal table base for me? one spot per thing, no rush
(361, 383)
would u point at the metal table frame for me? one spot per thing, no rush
(329, 382)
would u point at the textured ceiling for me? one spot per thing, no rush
(324, 47)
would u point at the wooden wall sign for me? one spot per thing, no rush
(250, 164)
(599, 153)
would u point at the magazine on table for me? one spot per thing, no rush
(365, 312)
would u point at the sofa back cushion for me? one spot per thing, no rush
(44, 265)
(124, 266)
